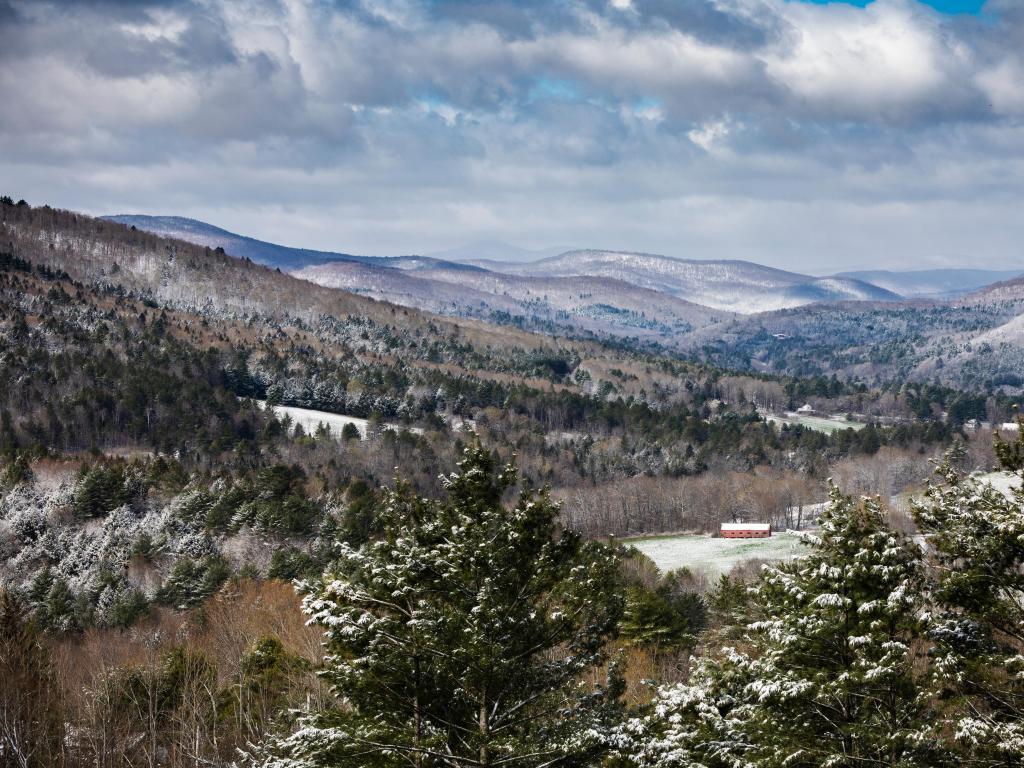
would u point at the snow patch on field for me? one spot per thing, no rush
(714, 556)
(310, 420)
(1001, 481)
(817, 423)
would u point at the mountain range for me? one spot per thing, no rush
(734, 286)
(932, 283)
(959, 325)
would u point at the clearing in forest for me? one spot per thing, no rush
(713, 556)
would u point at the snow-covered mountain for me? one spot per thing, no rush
(737, 286)
(933, 283)
(487, 250)
(598, 305)
(716, 286)
(260, 251)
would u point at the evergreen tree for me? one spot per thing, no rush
(665, 617)
(461, 636)
(100, 489)
(976, 532)
(830, 675)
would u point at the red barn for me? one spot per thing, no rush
(746, 530)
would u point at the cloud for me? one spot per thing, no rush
(711, 128)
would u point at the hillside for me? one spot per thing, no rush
(932, 283)
(779, 322)
(975, 344)
(736, 286)
(276, 336)
(725, 286)
(259, 251)
(601, 307)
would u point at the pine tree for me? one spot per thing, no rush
(829, 675)
(461, 636)
(976, 532)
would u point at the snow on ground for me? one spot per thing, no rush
(714, 556)
(459, 424)
(311, 420)
(1001, 481)
(818, 423)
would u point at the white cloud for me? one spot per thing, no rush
(1004, 86)
(709, 136)
(889, 59)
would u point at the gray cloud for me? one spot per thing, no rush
(809, 136)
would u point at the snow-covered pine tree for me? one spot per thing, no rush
(976, 536)
(828, 674)
(463, 635)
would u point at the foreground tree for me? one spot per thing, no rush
(830, 676)
(976, 532)
(461, 637)
(31, 716)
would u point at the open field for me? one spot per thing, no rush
(714, 556)
(824, 424)
(310, 420)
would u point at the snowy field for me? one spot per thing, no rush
(714, 556)
(1001, 481)
(817, 423)
(311, 420)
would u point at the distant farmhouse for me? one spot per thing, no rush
(746, 530)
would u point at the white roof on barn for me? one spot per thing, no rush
(746, 527)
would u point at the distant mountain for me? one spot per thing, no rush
(1007, 290)
(729, 286)
(740, 315)
(494, 251)
(564, 305)
(932, 283)
(973, 341)
(269, 254)
(736, 286)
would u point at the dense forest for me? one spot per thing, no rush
(466, 598)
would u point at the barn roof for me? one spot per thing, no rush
(746, 527)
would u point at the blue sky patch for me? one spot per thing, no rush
(945, 6)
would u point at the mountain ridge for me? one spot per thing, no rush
(933, 283)
(723, 284)
(263, 252)
(718, 285)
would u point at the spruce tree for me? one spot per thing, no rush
(976, 534)
(462, 636)
(829, 674)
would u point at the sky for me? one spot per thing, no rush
(813, 136)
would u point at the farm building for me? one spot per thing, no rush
(746, 530)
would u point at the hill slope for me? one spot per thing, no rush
(732, 286)
(269, 254)
(737, 286)
(570, 305)
(932, 283)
